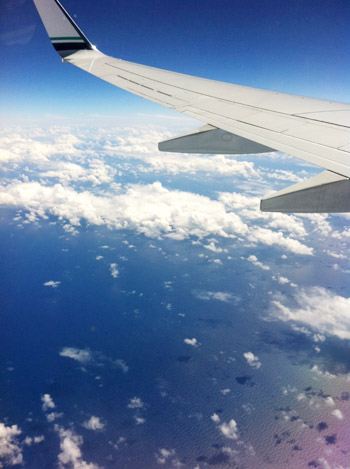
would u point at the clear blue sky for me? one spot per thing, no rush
(296, 46)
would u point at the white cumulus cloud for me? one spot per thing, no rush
(47, 402)
(10, 449)
(80, 355)
(192, 342)
(71, 455)
(52, 283)
(114, 270)
(252, 359)
(317, 307)
(164, 454)
(135, 403)
(229, 430)
(94, 423)
(338, 414)
(254, 260)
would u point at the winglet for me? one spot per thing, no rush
(65, 35)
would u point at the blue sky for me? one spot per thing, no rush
(297, 46)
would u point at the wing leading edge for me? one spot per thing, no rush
(240, 120)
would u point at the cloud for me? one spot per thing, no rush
(317, 307)
(47, 402)
(96, 173)
(52, 416)
(342, 235)
(149, 209)
(210, 295)
(212, 247)
(252, 359)
(52, 283)
(94, 423)
(139, 420)
(229, 430)
(86, 356)
(192, 342)
(283, 280)
(254, 260)
(338, 414)
(135, 403)
(164, 454)
(329, 401)
(29, 441)
(122, 365)
(70, 455)
(80, 355)
(215, 418)
(114, 270)
(10, 449)
(157, 212)
(270, 238)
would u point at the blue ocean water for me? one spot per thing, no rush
(133, 329)
(130, 343)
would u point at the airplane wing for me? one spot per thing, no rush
(239, 119)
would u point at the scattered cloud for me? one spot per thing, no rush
(229, 430)
(192, 342)
(52, 283)
(135, 403)
(47, 402)
(29, 441)
(10, 449)
(88, 357)
(213, 247)
(164, 454)
(252, 359)
(114, 270)
(52, 416)
(81, 355)
(338, 414)
(218, 295)
(139, 420)
(71, 455)
(122, 365)
(318, 308)
(254, 260)
(94, 423)
(215, 418)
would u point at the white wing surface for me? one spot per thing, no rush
(240, 120)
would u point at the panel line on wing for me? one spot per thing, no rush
(171, 85)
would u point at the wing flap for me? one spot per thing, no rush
(210, 140)
(324, 193)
